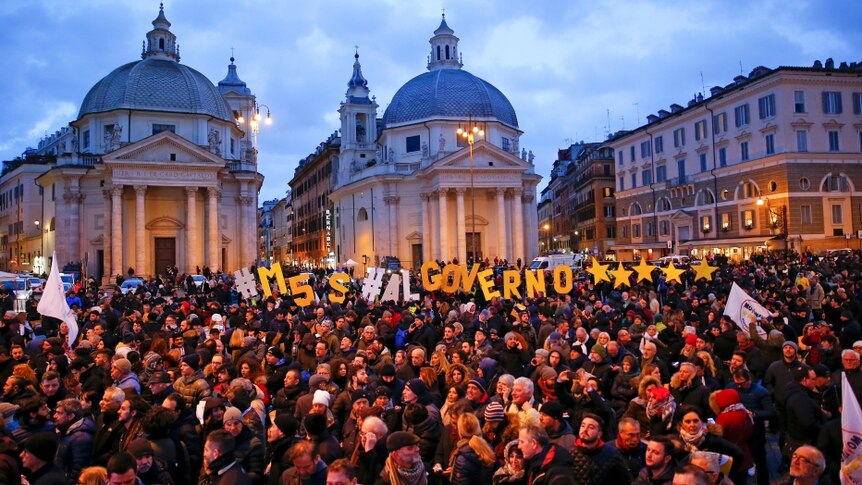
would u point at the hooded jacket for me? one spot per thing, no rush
(75, 447)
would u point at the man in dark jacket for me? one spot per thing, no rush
(543, 461)
(308, 468)
(802, 414)
(594, 462)
(150, 470)
(280, 436)
(220, 465)
(660, 467)
(37, 460)
(758, 401)
(75, 431)
(248, 449)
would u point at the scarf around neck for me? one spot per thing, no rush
(693, 440)
(415, 475)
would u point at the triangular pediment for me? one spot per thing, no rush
(681, 215)
(165, 222)
(164, 147)
(485, 156)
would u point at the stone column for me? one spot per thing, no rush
(248, 226)
(444, 224)
(531, 229)
(117, 230)
(392, 204)
(214, 236)
(461, 225)
(106, 239)
(192, 259)
(427, 253)
(518, 209)
(140, 230)
(502, 233)
(73, 202)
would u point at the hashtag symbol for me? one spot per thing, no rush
(372, 284)
(245, 283)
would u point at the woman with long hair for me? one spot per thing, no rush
(473, 458)
(458, 374)
(250, 369)
(453, 394)
(440, 363)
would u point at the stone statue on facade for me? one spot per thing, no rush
(442, 143)
(391, 158)
(75, 141)
(530, 156)
(379, 153)
(214, 141)
(524, 154)
(360, 134)
(116, 134)
(515, 146)
(424, 150)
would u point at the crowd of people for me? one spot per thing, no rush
(646, 383)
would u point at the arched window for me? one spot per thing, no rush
(51, 225)
(636, 209)
(836, 183)
(705, 198)
(447, 52)
(161, 44)
(663, 204)
(362, 215)
(438, 52)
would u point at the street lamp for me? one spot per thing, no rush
(469, 134)
(547, 228)
(255, 120)
(576, 241)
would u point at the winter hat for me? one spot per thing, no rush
(232, 414)
(790, 343)
(388, 370)
(418, 387)
(660, 393)
(123, 365)
(542, 353)
(485, 313)
(548, 373)
(276, 352)
(216, 318)
(477, 381)
(690, 339)
(400, 439)
(321, 397)
(726, 397)
(140, 447)
(509, 336)
(358, 394)
(599, 350)
(315, 381)
(249, 340)
(494, 412)
(314, 423)
(287, 424)
(193, 361)
(43, 446)
(554, 337)
(552, 409)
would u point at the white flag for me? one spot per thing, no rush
(741, 308)
(851, 435)
(53, 302)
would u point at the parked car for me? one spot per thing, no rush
(391, 263)
(130, 284)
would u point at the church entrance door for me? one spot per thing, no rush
(166, 254)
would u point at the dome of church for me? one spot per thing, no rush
(446, 90)
(156, 85)
(158, 82)
(448, 93)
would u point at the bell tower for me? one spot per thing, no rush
(358, 125)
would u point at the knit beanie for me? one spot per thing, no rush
(321, 397)
(43, 446)
(494, 412)
(599, 350)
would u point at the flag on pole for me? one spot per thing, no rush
(53, 302)
(741, 308)
(851, 435)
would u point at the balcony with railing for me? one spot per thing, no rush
(679, 181)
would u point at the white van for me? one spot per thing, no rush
(551, 261)
(679, 260)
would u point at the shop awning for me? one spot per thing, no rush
(729, 242)
(647, 245)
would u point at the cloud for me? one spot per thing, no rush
(53, 117)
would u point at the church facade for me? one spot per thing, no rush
(158, 170)
(440, 176)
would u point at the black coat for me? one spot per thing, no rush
(553, 461)
(802, 414)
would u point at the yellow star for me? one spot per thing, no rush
(621, 276)
(672, 272)
(599, 271)
(704, 270)
(644, 270)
